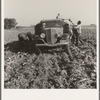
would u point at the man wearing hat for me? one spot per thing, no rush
(77, 32)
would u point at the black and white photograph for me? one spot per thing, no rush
(50, 44)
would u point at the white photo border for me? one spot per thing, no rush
(47, 94)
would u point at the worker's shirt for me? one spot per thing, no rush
(78, 27)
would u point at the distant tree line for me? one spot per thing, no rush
(10, 23)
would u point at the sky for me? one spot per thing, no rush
(30, 12)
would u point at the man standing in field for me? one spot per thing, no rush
(77, 32)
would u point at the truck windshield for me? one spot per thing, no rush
(50, 24)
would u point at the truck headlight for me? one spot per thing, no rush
(42, 35)
(58, 35)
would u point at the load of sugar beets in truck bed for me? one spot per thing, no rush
(53, 68)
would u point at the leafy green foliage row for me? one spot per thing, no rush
(27, 71)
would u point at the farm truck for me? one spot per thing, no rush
(52, 33)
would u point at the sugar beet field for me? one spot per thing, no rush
(52, 69)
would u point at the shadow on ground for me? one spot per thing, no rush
(15, 47)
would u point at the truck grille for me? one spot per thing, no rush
(51, 36)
